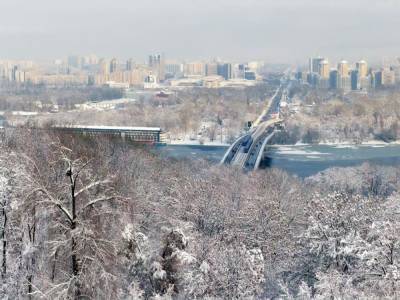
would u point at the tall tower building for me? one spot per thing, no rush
(161, 69)
(157, 65)
(333, 79)
(225, 70)
(314, 64)
(211, 69)
(343, 68)
(355, 80)
(344, 79)
(113, 65)
(173, 68)
(362, 68)
(104, 66)
(130, 64)
(324, 69)
(388, 77)
(195, 69)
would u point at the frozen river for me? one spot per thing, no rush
(301, 160)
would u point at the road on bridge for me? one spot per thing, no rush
(247, 151)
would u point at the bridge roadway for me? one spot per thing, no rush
(248, 150)
(249, 159)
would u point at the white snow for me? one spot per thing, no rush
(184, 257)
(345, 146)
(293, 151)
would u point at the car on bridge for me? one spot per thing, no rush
(246, 143)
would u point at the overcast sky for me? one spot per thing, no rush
(272, 30)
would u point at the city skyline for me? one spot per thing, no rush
(303, 63)
(274, 31)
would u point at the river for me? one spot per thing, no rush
(300, 160)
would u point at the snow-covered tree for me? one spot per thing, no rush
(79, 204)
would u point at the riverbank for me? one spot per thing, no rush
(368, 143)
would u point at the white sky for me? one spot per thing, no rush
(274, 30)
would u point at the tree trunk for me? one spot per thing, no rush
(53, 271)
(32, 239)
(74, 259)
(75, 269)
(3, 238)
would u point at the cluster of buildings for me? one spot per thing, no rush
(214, 74)
(160, 72)
(156, 72)
(348, 77)
(29, 71)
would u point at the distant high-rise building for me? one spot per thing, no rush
(173, 69)
(323, 69)
(154, 60)
(362, 68)
(130, 64)
(312, 79)
(195, 69)
(355, 80)
(388, 77)
(211, 69)
(17, 75)
(225, 70)
(238, 71)
(323, 75)
(344, 82)
(343, 69)
(376, 82)
(365, 82)
(249, 75)
(104, 67)
(396, 70)
(157, 65)
(314, 64)
(333, 79)
(383, 78)
(113, 65)
(322, 83)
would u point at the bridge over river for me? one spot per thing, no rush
(248, 150)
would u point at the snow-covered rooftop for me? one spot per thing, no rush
(117, 128)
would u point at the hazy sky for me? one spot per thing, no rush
(273, 30)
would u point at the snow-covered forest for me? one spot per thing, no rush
(99, 219)
(352, 119)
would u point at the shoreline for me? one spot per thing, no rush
(370, 142)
